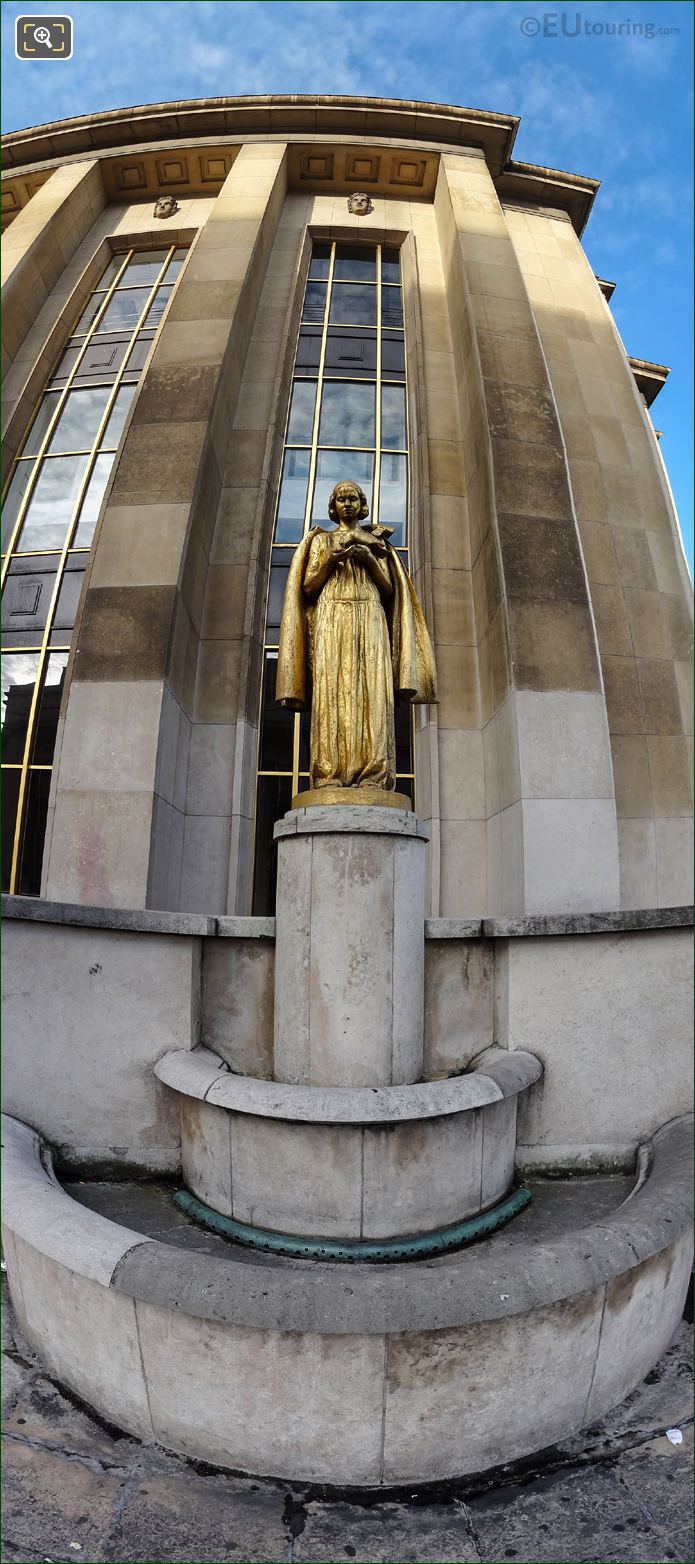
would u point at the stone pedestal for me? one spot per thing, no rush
(349, 960)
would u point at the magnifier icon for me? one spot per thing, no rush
(42, 35)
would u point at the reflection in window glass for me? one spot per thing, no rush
(112, 270)
(320, 264)
(15, 495)
(391, 307)
(354, 263)
(314, 301)
(17, 676)
(393, 494)
(68, 599)
(44, 500)
(79, 420)
(49, 707)
(393, 417)
(353, 304)
(41, 422)
(123, 310)
(279, 572)
(144, 268)
(301, 420)
(347, 414)
(175, 265)
(92, 501)
(292, 503)
(157, 307)
(52, 503)
(117, 417)
(333, 467)
(390, 266)
(89, 312)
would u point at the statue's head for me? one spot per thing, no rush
(348, 501)
(165, 206)
(360, 204)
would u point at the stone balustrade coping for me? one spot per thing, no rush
(32, 909)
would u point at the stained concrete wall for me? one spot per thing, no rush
(93, 997)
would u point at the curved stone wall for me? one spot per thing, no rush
(397, 1374)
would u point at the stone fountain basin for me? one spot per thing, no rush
(352, 1163)
(362, 1376)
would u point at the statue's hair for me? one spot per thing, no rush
(343, 483)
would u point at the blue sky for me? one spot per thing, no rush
(614, 106)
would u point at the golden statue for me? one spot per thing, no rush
(353, 639)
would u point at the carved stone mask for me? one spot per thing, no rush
(165, 206)
(360, 204)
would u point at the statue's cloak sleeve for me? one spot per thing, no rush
(293, 678)
(414, 674)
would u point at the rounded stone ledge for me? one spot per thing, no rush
(32, 909)
(349, 1164)
(374, 1377)
(489, 1282)
(200, 1073)
(350, 820)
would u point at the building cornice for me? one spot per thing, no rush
(399, 122)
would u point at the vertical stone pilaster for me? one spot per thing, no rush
(640, 590)
(120, 790)
(552, 839)
(40, 243)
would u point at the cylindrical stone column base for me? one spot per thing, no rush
(350, 951)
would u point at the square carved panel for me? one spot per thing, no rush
(131, 176)
(362, 168)
(214, 167)
(408, 171)
(172, 171)
(318, 165)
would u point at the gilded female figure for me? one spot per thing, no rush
(352, 640)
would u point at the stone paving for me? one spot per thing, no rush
(77, 1490)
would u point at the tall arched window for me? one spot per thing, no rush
(347, 418)
(50, 510)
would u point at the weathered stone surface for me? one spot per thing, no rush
(349, 965)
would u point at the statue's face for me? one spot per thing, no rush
(348, 503)
(360, 204)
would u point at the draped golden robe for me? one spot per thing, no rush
(351, 646)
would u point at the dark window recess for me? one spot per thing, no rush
(351, 353)
(49, 709)
(392, 357)
(273, 801)
(277, 731)
(10, 796)
(39, 784)
(354, 263)
(390, 266)
(320, 261)
(403, 723)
